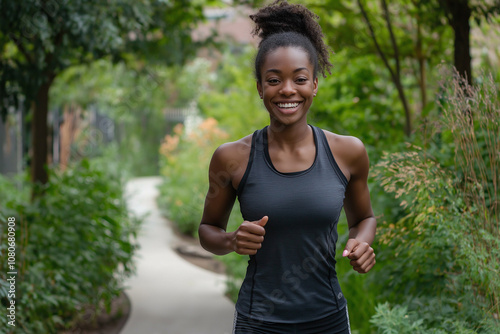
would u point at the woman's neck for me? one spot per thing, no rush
(290, 137)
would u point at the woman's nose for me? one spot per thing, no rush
(287, 88)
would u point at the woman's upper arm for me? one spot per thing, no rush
(225, 166)
(357, 202)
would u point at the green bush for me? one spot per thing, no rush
(399, 320)
(184, 158)
(75, 246)
(442, 260)
(232, 98)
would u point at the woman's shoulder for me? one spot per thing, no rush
(349, 144)
(233, 155)
(349, 151)
(235, 148)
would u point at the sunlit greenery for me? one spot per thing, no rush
(432, 142)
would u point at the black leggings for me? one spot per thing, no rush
(337, 323)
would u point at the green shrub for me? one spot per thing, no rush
(399, 320)
(184, 159)
(442, 260)
(75, 246)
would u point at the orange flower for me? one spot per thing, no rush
(169, 144)
(178, 129)
(208, 124)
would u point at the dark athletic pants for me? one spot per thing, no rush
(337, 323)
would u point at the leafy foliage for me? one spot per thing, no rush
(74, 247)
(185, 160)
(47, 37)
(444, 255)
(399, 320)
(41, 39)
(356, 100)
(231, 96)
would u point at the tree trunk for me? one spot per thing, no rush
(39, 135)
(460, 22)
(406, 107)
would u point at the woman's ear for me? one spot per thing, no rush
(259, 89)
(315, 86)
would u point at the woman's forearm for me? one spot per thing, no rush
(215, 240)
(364, 231)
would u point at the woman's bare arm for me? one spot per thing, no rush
(226, 169)
(358, 209)
(352, 158)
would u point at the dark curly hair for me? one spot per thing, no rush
(281, 25)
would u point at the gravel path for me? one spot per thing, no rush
(168, 294)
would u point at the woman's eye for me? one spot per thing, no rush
(301, 80)
(273, 81)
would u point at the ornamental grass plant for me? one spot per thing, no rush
(444, 255)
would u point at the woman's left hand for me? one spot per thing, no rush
(361, 254)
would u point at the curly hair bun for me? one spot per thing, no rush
(281, 17)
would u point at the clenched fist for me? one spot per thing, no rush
(361, 254)
(248, 238)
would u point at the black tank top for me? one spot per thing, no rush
(292, 278)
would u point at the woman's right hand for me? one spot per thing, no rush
(248, 238)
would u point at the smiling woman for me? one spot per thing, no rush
(292, 180)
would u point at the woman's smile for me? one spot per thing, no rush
(288, 108)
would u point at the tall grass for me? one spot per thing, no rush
(442, 260)
(472, 116)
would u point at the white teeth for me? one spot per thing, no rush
(288, 105)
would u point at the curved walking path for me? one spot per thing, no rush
(169, 295)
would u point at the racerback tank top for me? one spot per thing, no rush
(292, 278)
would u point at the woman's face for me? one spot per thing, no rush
(288, 85)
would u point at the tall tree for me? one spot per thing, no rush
(41, 38)
(458, 14)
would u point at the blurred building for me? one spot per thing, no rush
(232, 24)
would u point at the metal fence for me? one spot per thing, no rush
(72, 134)
(11, 144)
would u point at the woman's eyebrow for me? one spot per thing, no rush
(274, 70)
(301, 69)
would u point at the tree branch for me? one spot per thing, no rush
(374, 38)
(396, 77)
(21, 48)
(391, 33)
